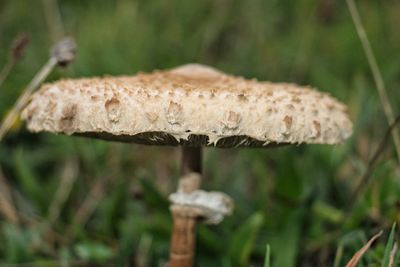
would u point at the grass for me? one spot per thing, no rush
(82, 202)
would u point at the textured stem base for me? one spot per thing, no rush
(183, 240)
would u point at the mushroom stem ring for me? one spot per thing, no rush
(189, 204)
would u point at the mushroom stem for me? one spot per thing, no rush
(191, 160)
(183, 240)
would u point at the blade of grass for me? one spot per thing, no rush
(376, 73)
(267, 262)
(338, 256)
(29, 181)
(287, 246)
(389, 247)
(243, 240)
(356, 258)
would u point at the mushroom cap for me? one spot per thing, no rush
(192, 105)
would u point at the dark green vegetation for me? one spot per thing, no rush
(82, 201)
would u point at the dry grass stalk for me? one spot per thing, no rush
(393, 254)
(68, 178)
(61, 54)
(19, 46)
(376, 73)
(17, 50)
(53, 19)
(24, 97)
(89, 205)
(372, 162)
(356, 258)
(6, 205)
(12, 216)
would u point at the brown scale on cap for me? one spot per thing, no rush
(174, 113)
(288, 121)
(186, 106)
(113, 109)
(232, 120)
(317, 127)
(67, 119)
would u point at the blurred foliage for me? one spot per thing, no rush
(298, 199)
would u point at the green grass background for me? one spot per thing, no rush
(297, 199)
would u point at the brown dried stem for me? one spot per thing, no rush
(356, 258)
(373, 161)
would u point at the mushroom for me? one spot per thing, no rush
(192, 106)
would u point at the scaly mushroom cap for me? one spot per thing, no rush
(191, 105)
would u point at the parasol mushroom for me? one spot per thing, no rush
(193, 106)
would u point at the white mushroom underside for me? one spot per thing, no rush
(190, 100)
